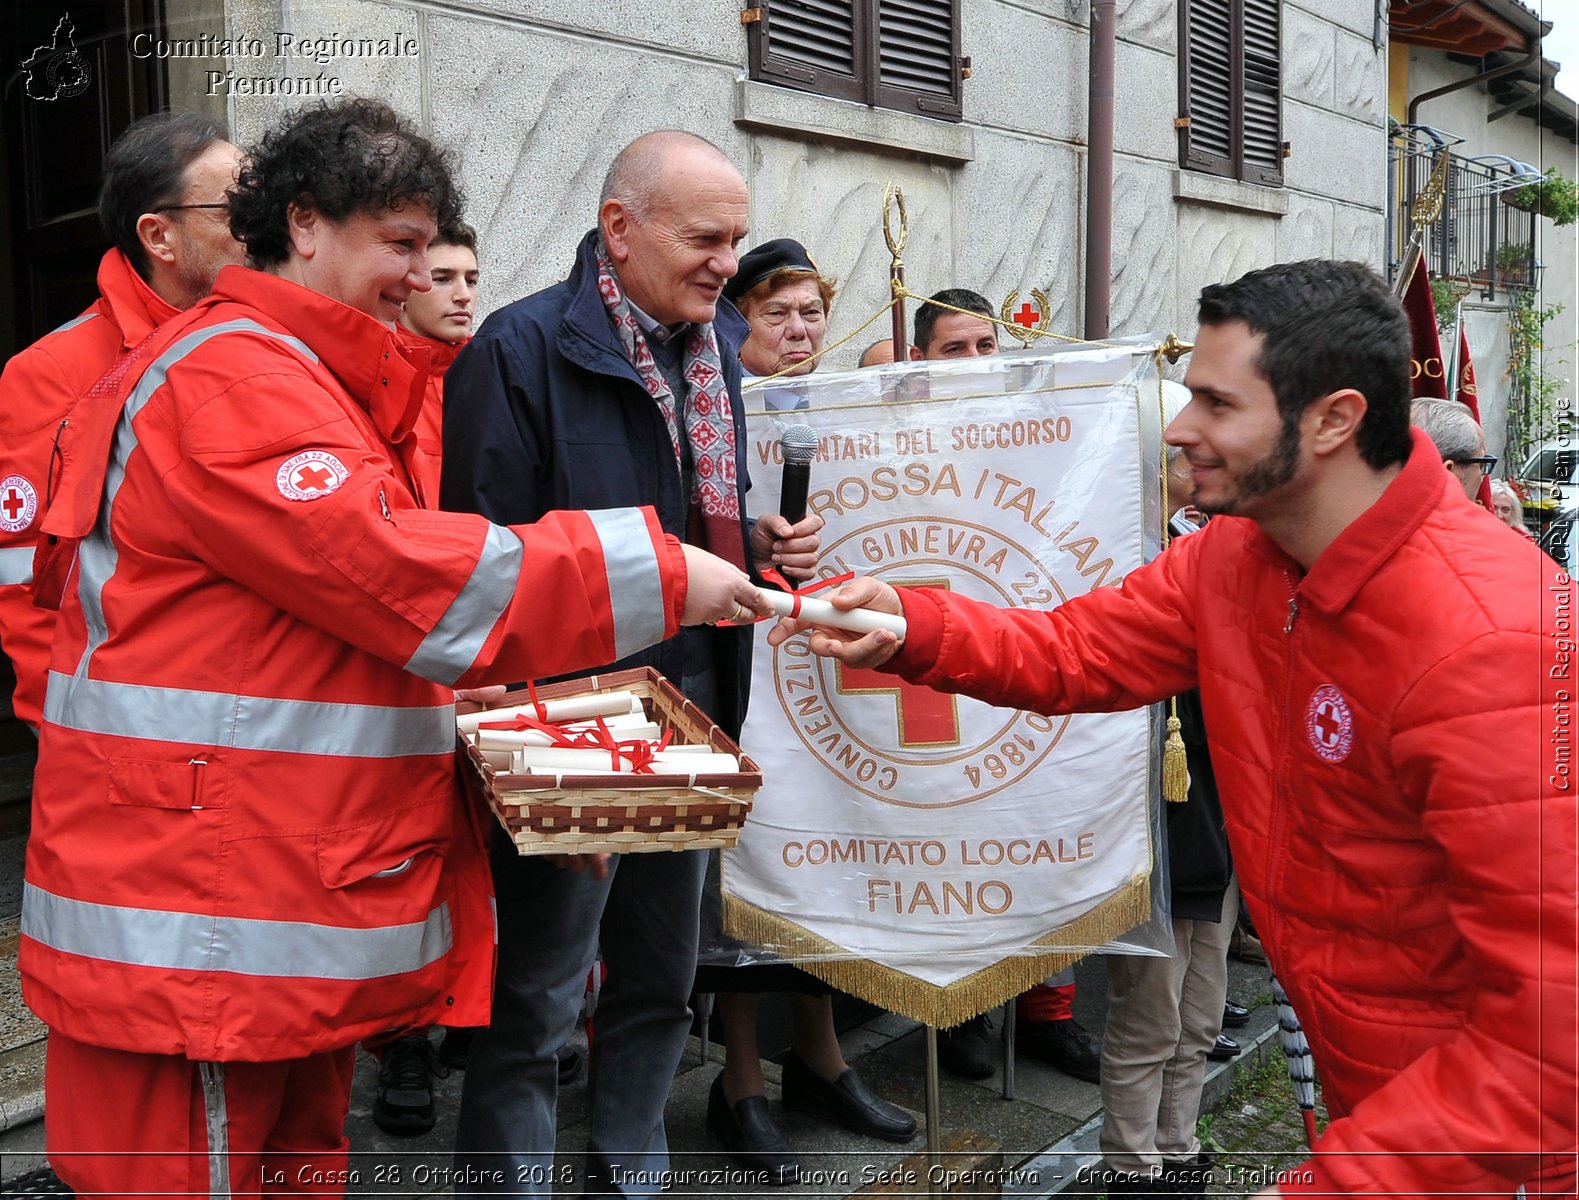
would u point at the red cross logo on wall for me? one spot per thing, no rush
(18, 503)
(1329, 724)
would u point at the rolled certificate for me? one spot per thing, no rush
(820, 612)
(546, 760)
(515, 739)
(571, 708)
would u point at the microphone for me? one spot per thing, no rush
(798, 445)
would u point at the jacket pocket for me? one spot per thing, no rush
(188, 784)
(389, 850)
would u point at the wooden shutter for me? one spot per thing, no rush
(1263, 92)
(813, 45)
(918, 56)
(1206, 91)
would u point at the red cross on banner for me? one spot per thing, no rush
(1027, 316)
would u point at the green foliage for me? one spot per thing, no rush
(1534, 391)
(1553, 198)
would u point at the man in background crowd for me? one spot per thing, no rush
(1458, 438)
(943, 333)
(618, 386)
(163, 205)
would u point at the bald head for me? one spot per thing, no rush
(636, 176)
(672, 216)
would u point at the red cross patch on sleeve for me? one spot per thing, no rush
(18, 503)
(310, 475)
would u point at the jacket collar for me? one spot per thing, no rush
(136, 308)
(385, 375)
(440, 353)
(1372, 539)
(586, 335)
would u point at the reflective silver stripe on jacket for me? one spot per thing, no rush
(145, 937)
(74, 322)
(97, 556)
(194, 718)
(635, 582)
(16, 565)
(449, 651)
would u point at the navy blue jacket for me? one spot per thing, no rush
(542, 411)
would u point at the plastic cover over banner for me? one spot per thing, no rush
(928, 852)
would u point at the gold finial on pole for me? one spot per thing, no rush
(893, 198)
(1173, 349)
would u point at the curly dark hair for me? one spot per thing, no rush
(339, 159)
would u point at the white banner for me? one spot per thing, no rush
(909, 845)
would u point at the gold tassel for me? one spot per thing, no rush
(1175, 764)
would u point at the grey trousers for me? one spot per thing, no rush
(551, 923)
(1163, 1015)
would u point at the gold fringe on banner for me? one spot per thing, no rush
(947, 1006)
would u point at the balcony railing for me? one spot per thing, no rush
(1478, 239)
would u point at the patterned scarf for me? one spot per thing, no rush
(709, 418)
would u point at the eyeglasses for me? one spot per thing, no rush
(1486, 462)
(184, 207)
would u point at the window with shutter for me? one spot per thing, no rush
(1231, 88)
(902, 54)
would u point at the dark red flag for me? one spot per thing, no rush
(1464, 393)
(1426, 371)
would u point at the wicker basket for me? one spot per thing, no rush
(615, 813)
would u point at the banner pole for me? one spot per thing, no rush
(893, 197)
(934, 1115)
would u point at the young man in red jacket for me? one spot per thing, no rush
(440, 320)
(249, 848)
(163, 206)
(1355, 625)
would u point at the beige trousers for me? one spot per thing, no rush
(1163, 1015)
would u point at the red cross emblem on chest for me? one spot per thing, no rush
(1329, 724)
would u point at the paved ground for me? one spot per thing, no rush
(1046, 1128)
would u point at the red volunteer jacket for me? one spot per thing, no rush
(430, 418)
(248, 838)
(38, 388)
(1392, 736)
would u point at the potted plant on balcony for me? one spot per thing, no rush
(1553, 197)
(1514, 262)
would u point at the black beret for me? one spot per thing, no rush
(781, 254)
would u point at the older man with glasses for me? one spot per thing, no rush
(1459, 440)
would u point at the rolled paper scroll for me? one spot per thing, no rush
(554, 760)
(515, 739)
(557, 712)
(820, 612)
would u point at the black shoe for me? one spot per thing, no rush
(455, 1046)
(404, 1103)
(1226, 1049)
(1065, 1044)
(966, 1050)
(847, 1101)
(1134, 1183)
(750, 1136)
(1235, 1016)
(1188, 1179)
(569, 1065)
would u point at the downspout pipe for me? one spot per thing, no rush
(1099, 167)
(1533, 57)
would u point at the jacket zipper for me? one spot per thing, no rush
(1277, 861)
